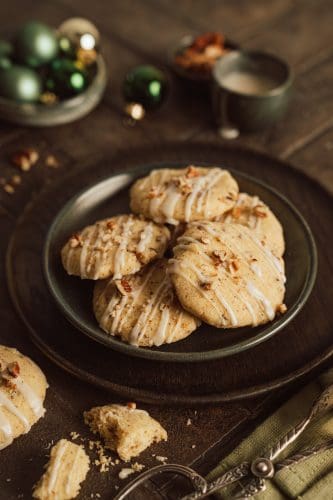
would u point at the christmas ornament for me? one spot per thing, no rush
(65, 79)
(6, 49)
(146, 85)
(20, 83)
(36, 44)
(5, 62)
(66, 47)
(81, 32)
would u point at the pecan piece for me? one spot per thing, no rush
(13, 369)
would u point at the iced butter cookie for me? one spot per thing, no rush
(184, 195)
(142, 309)
(227, 277)
(125, 429)
(114, 247)
(65, 471)
(22, 393)
(253, 213)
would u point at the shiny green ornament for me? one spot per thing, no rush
(20, 84)
(146, 85)
(65, 78)
(36, 44)
(66, 47)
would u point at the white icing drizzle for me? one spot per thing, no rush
(200, 183)
(84, 255)
(173, 331)
(168, 207)
(160, 335)
(258, 295)
(145, 237)
(148, 312)
(226, 306)
(204, 196)
(120, 253)
(256, 269)
(72, 471)
(6, 429)
(249, 308)
(34, 401)
(6, 403)
(54, 470)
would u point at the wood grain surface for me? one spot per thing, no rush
(135, 32)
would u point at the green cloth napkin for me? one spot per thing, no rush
(310, 480)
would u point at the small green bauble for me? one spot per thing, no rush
(36, 44)
(6, 48)
(146, 85)
(65, 79)
(20, 84)
(5, 62)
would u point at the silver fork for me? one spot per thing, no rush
(253, 473)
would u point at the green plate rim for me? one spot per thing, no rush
(196, 356)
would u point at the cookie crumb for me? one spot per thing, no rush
(125, 472)
(51, 161)
(161, 459)
(189, 421)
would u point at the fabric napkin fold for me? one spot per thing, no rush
(309, 480)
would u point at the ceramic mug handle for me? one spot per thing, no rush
(220, 109)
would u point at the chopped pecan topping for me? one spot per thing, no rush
(140, 257)
(234, 265)
(125, 285)
(75, 241)
(206, 285)
(13, 369)
(25, 158)
(154, 193)
(111, 224)
(218, 257)
(281, 308)
(131, 405)
(259, 212)
(237, 212)
(204, 240)
(192, 172)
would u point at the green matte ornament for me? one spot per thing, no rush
(20, 84)
(36, 44)
(65, 79)
(146, 85)
(6, 48)
(5, 62)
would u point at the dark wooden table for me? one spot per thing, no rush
(137, 32)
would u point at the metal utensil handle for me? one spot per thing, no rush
(323, 403)
(229, 477)
(303, 455)
(198, 482)
(254, 486)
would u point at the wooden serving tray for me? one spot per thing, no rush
(301, 346)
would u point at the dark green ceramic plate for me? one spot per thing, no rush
(110, 197)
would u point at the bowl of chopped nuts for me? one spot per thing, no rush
(47, 114)
(193, 58)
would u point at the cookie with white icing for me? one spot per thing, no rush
(142, 309)
(22, 393)
(184, 195)
(114, 247)
(253, 213)
(125, 429)
(65, 471)
(224, 275)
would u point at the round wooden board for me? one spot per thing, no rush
(300, 347)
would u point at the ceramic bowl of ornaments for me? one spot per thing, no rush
(51, 76)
